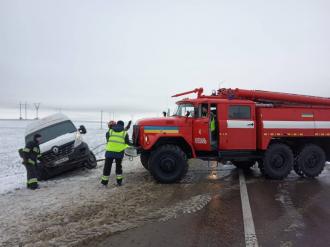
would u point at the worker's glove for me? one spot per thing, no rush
(128, 125)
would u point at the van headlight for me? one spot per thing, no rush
(78, 140)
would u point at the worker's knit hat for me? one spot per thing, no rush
(120, 123)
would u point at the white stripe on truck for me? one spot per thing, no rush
(322, 124)
(296, 124)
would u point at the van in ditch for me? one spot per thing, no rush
(62, 147)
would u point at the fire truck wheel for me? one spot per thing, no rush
(311, 160)
(244, 164)
(278, 161)
(168, 164)
(144, 157)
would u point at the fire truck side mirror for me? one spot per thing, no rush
(188, 114)
(164, 113)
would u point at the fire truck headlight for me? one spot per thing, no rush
(146, 139)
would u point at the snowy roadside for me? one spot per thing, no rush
(74, 210)
(21, 208)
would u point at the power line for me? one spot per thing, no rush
(20, 111)
(37, 105)
(25, 109)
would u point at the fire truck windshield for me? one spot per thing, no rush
(183, 109)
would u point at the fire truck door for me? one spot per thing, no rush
(201, 132)
(241, 127)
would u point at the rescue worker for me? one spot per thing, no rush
(117, 142)
(31, 153)
(212, 126)
(212, 121)
(113, 123)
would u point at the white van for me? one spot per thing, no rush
(62, 147)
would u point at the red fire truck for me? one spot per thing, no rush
(279, 131)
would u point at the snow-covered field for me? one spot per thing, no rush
(12, 172)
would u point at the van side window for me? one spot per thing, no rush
(239, 112)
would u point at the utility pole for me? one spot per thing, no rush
(20, 111)
(25, 110)
(101, 118)
(37, 105)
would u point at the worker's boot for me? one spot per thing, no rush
(119, 179)
(34, 186)
(105, 180)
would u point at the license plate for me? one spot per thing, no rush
(60, 161)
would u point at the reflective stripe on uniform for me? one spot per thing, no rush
(32, 180)
(121, 142)
(39, 155)
(105, 178)
(26, 150)
(122, 136)
(116, 141)
(36, 150)
(119, 177)
(32, 162)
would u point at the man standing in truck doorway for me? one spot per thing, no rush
(117, 142)
(212, 119)
(30, 154)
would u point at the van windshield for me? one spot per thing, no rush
(53, 131)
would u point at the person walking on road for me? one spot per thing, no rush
(117, 142)
(30, 154)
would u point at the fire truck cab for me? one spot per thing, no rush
(277, 130)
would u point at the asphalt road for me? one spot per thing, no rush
(292, 212)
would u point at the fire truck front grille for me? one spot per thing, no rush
(63, 150)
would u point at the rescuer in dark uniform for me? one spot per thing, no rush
(117, 142)
(30, 154)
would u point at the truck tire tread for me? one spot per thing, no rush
(180, 157)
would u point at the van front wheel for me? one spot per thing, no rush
(91, 162)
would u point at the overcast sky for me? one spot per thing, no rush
(133, 55)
